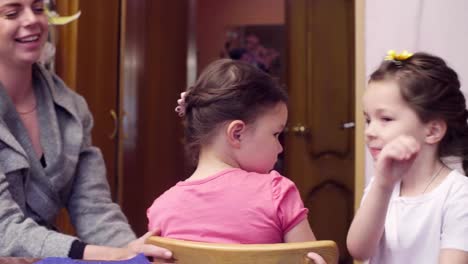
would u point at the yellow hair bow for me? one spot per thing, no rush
(393, 56)
(55, 19)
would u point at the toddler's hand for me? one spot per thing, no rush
(395, 159)
(316, 258)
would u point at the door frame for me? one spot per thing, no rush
(360, 83)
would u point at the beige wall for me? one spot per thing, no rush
(213, 17)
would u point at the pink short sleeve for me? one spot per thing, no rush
(289, 206)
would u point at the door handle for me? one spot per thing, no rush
(113, 115)
(348, 125)
(300, 130)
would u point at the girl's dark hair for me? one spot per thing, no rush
(432, 90)
(226, 90)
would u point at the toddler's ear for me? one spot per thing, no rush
(435, 131)
(234, 132)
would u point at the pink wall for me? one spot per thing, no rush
(214, 16)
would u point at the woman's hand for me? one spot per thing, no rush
(134, 248)
(138, 246)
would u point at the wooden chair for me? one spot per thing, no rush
(189, 252)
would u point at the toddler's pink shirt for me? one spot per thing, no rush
(233, 206)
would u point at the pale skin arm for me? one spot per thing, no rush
(93, 252)
(453, 256)
(368, 225)
(302, 233)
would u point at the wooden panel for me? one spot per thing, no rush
(332, 201)
(320, 158)
(154, 73)
(97, 74)
(296, 160)
(330, 99)
(133, 79)
(360, 83)
(66, 43)
(87, 60)
(65, 67)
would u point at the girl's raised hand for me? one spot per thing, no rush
(395, 159)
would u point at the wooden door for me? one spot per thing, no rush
(153, 73)
(97, 75)
(88, 61)
(128, 59)
(319, 149)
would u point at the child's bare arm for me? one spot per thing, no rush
(300, 233)
(368, 225)
(453, 256)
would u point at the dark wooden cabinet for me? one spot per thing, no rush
(153, 74)
(128, 59)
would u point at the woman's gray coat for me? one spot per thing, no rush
(31, 196)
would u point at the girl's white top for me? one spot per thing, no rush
(417, 228)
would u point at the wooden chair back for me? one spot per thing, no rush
(189, 252)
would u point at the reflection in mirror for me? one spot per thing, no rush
(260, 45)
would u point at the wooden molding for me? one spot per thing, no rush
(360, 79)
(67, 37)
(360, 84)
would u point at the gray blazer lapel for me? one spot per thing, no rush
(40, 194)
(5, 135)
(37, 188)
(51, 140)
(47, 189)
(7, 138)
(61, 130)
(12, 155)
